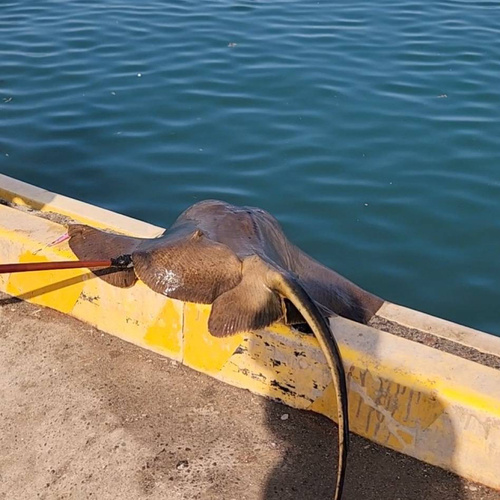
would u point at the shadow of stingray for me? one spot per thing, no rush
(308, 466)
(307, 470)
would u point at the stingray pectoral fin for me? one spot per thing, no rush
(189, 267)
(249, 306)
(88, 243)
(293, 291)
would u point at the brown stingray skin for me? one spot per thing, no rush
(249, 230)
(86, 241)
(239, 260)
(200, 257)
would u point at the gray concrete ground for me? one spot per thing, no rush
(85, 415)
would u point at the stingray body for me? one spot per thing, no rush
(239, 260)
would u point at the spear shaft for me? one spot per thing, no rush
(52, 266)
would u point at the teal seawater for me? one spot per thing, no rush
(370, 129)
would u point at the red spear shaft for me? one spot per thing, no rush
(50, 266)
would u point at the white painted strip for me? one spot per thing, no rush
(53, 202)
(464, 335)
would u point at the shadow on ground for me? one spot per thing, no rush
(86, 415)
(308, 468)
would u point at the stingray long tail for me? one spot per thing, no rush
(291, 290)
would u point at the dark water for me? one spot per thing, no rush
(370, 129)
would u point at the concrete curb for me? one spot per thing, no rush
(426, 403)
(464, 335)
(25, 194)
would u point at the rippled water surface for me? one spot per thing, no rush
(370, 129)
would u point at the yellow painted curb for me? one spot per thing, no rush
(426, 403)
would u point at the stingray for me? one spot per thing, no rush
(239, 260)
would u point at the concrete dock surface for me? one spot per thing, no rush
(84, 415)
